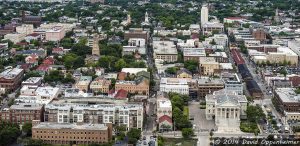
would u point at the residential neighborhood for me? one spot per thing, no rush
(156, 73)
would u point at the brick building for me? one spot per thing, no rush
(70, 134)
(23, 112)
(11, 79)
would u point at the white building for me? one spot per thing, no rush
(226, 108)
(219, 39)
(135, 45)
(177, 85)
(41, 95)
(232, 82)
(164, 112)
(204, 14)
(130, 115)
(25, 29)
(14, 37)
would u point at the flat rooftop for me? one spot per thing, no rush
(26, 106)
(32, 80)
(288, 95)
(175, 81)
(194, 52)
(10, 73)
(164, 47)
(46, 125)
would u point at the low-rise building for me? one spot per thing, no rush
(208, 65)
(177, 85)
(135, 45)
(83, 83)
(226, 108)
(71, 133)
(100, 85)
(287, 102)
(184, 73)
(33, 81)
(39, 95)
(25, 29)
(232, 82)
(55, 34)
(139, 86)
(212, 27)
(208, 86)
(15, 37)
(193, 53)
(164, 112)
(11, 79)
(165, 50)
(136, 33)
(21, 113)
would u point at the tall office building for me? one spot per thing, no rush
(204, 14)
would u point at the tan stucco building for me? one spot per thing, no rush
(208, 65)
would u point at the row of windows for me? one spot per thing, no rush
(69, 137)
(63, 132)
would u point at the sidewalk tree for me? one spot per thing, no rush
(187, 133)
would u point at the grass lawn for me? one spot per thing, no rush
(249, 127)
(186, 111)
(174, 141)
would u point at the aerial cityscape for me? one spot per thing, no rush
(149, 73)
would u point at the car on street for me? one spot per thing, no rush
(144, 138)
(145, 142)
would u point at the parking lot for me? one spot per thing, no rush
(199, 121)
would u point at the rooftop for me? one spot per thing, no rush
(164, 47)
(164, 103)
(287, 95)
(32, 80)
(224, 96)
(10, 73)
(46, 125)
(175, 81)
(26, 106)
(194, 52)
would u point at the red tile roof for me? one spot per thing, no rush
(165, 118)
(49, 61)
(121, 94)
(43, 67)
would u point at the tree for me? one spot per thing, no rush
(283, 71)
(31, 74)
(187, 133)
(191, 65)
(254, 113)
(133, 135)
(171, 70)
(9, 133)
(120, 64)
(26, 129)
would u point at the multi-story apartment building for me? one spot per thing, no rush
(130, 115)
(177, 85)
(138, 86)
(23, 112)
(100, 85)
(11, 79)
(74, 134)
(33, 81)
